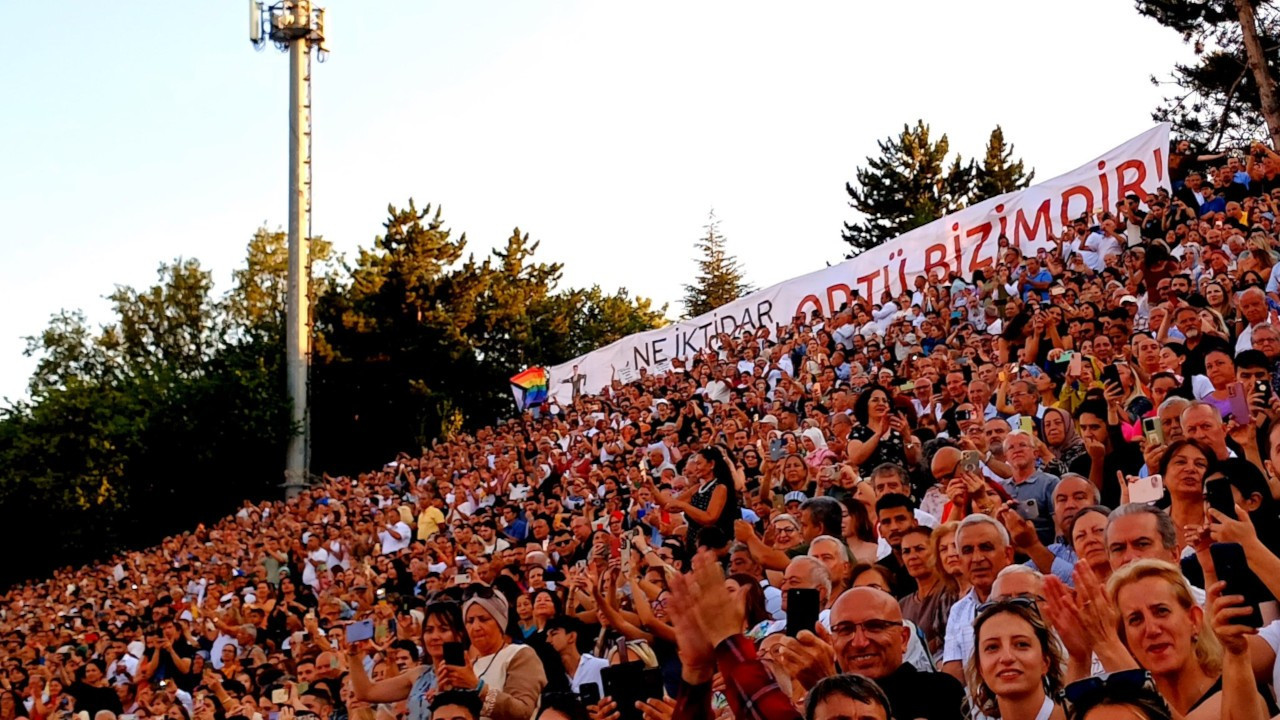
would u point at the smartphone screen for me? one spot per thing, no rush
(624, 684)
(802, 610)
(1238, 403)
(1219, 496)
(359, 630)
(1232, 568)
(1153, 431)
(1111, 374)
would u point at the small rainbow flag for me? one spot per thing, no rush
(530, 387)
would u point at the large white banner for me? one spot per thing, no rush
(963, 241)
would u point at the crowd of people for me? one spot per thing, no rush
(1046, 491)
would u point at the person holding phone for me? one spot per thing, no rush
(881, 435)
(1174, 639)
(442, 624)
(1240, 485)
(508, 677)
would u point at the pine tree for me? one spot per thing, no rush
(720, 278)
(999, 172)
(1227, 96)
(905, 187)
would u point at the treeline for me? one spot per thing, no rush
(175, 411)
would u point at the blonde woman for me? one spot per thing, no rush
(1169, 635)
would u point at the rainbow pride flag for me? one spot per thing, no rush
(530, 387)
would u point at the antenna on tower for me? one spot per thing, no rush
(255, 23)
(296, 26)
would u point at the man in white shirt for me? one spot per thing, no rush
(1253, 307)
(395, 533)
(985, 550)
(316, 562)
(718, 389)
(564, 633)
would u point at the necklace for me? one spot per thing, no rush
(492, 658)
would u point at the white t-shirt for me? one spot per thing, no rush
(390, 543)
(1271, 633)
(589, 668)
(1103, 245)
(718, 391)
(317, 557)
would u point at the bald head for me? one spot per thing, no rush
(944, 463)
(870, 637)
(884, 605)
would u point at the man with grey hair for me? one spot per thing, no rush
(985, 550)
(1139, 531)
(834, 555)
(805, 573)
(1253, 308)
(1170, 414)
(1019, 581)
(1203, 422)
(1266, 340)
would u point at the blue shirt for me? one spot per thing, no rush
(1218, 204)
(1037, 489)
(1044, 276)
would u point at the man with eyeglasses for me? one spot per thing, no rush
(1266, 339)
(870, 639)
(1026, 403)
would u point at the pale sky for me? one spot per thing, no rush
(137, 132)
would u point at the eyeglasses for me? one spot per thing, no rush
(869, 627)
(784, 529)
(562, 543)
(1081, 695)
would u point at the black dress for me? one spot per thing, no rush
(892, 449)
(724, 523)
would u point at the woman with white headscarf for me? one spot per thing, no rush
(509, 678)
(815, 446)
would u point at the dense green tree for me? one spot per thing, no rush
(174, 411)
(908, 185)
(720, 278)
(999, 172)
(146, 425)
(1227, 96)
(421, 334)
